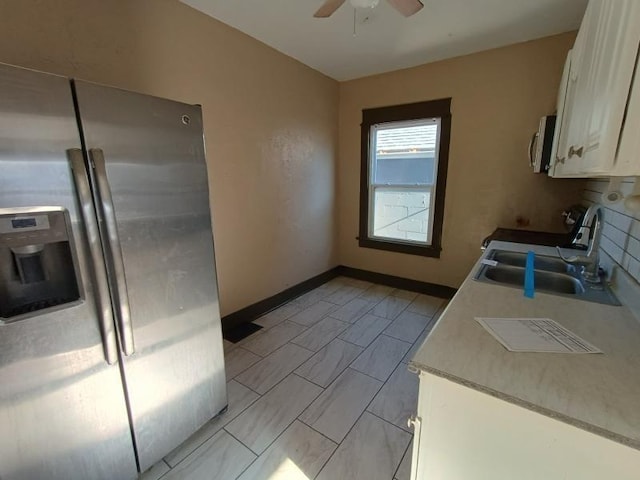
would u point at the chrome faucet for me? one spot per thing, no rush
(589, 236)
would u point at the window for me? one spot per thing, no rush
(405, 152)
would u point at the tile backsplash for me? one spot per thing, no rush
(621, 234)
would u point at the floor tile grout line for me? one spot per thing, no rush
(382, 332)
(279, 382)
(322, 389)
(387, 421)
(246, 350)
(265, 356)
(248, 387)
(321, 346)
(164, 474)
(221, 428)
(323, 318)
(315, 430)
(285, 429)
(275, 385)
(405, 341)
(385, 384)
(260, 396)
(311, 381)
(352, 426)
(194, 450)
(377, 336)
(278, 308)
(371, 376)
(358, 296)
(400, 339)
(365, 313)
(406, 450)
(328, 314)
(382, 384)
(349, 366)
(341, 371)
(337, 444)
(245, 446)
(244, 370)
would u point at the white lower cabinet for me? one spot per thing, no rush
(464, 434)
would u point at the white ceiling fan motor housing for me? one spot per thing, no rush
(364, 3)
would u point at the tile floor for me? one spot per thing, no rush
(322, 391)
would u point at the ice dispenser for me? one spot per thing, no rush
(37, 265)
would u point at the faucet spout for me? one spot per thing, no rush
(589, 235)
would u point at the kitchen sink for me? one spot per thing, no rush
(519, 259)
(544, 281)
(551, 275)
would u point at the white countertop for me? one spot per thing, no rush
(596, 392)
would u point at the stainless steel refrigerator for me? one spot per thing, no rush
(110, 335)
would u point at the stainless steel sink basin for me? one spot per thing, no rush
(518, 259)
(544, 281)
(551, 275)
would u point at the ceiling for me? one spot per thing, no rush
(384, 39)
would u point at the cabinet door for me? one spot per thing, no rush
(573, 109)
(559, 153)
(601, 69)
(578, 102)
(616, 38)
(468, 434)
(628, 157)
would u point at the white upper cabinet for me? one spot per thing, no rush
(595, 93)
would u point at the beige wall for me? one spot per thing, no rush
(270, 122)
(498, 99)
(271, 131)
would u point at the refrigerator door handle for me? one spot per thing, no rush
(125, 328)
(103, 301)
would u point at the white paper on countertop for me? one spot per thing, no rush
(541, 335)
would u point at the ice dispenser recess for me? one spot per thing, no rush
(37, 268)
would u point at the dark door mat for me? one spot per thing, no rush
(241, 331)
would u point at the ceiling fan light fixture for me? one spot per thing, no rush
(364, 3)
(405, 7)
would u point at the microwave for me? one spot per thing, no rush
(540, 145)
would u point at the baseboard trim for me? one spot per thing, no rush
(433, 289)
(251, 312)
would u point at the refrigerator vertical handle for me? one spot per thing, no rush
(106, 204)
(103, 301)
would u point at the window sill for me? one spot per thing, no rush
(432, 251)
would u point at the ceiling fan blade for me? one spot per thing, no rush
(328, 8)
(407, 7)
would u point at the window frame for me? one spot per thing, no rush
(371, 117)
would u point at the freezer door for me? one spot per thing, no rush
(150, 178)
(62, 405)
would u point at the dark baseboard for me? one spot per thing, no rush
(435, 290)
(250, 313)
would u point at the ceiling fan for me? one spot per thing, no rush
(405, 7)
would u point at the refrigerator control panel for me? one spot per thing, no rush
(18, 229)
(37, 262)
(24, 223)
